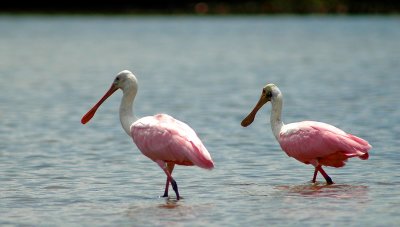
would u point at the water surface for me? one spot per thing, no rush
(208, 72)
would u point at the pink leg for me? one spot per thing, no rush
(327, 178)
(166, 188)
(163, 166)
(315, 175)
(170, 167)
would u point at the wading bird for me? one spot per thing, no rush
(310, 142)
(163, 139)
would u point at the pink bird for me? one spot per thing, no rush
(309, 142)
(161, 138)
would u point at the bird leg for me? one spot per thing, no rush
(166, 188)
(315, 175)
(327, 178)
(175, 187)
(170, 167)
(165, 167)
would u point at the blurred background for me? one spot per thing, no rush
(205, 63)
(205, 7)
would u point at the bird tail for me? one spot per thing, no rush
(364, 156)
(360, 146)
(201, 158)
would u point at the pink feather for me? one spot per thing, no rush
(316, 143)
(161, 137)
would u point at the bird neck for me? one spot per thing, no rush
(126, 115)
(276, 115)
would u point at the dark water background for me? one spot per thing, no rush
(208, 72)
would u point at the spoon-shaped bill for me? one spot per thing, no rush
(250, 118)
(93, 110)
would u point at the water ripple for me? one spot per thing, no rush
(208, 72)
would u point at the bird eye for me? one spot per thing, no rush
(117, 79)
(269, 94)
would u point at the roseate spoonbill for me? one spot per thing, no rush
(310, 142)
(161, 138)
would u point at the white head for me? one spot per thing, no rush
(125, 80)
(269, 93)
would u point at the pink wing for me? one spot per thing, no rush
(161, 137)
(320, 143)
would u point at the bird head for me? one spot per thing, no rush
(125, 80)
(268, 94)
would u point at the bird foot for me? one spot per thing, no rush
(316, 183)
(171, 198)
(329, 181)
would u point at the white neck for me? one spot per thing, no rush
(126, 110)
(276, 115)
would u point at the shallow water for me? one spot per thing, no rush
(208, 72)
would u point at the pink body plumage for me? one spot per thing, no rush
(317, 143)
(161, 137)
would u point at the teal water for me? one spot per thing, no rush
(207, 72)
